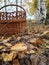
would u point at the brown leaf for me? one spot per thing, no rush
(8, 44)
(1, 47)
(15, 62)
(36, 41)
(19, 46)
(33, 40)
(39, 41)
(32, 46)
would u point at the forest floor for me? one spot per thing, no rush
(32, 46)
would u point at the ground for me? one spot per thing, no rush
(34, 42)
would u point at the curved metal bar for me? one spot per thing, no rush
(12, 5)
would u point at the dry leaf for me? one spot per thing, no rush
(19, 46)
(8, 44)
(9, 57)
(33, 40)
(1, 47)
(16, 62)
